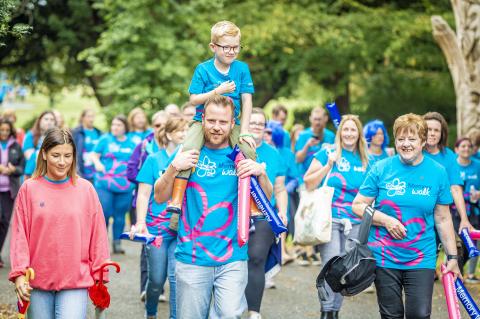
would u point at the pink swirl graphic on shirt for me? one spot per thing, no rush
(195, 233)
(159, 222)
(339, 203)
(389, 245)
(118, 180)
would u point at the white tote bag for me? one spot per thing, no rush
(313, 219)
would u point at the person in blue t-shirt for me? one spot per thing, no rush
(34, 138)
(280, 114)
(86, 137)
(411, 194)
(344, 168)
(377, 138)
(208, 254)
(262, 238)
(436, 148)
(474, 136)
(313, 139)
(470, 175)
(152, 217)
(221, 75)
(110, 157)
(138, 125)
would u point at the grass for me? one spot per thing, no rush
(69, 102)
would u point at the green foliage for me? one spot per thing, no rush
(16, 30)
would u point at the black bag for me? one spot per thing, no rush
(354, 271)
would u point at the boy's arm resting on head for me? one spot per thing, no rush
(225, 87)
(164, 185)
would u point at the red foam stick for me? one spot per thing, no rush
(243, 225)
(98, 292)
(475, 234)
(450, 295)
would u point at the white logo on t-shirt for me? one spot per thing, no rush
(343, 165)
(206, 168)
(396, 187)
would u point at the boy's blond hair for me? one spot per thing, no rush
(224, 28)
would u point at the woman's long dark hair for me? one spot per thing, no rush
(13, 133)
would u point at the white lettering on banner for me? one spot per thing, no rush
(467, 303)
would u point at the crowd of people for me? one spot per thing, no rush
(173, 178)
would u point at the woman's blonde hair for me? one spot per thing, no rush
(174, 123)
(133, 113)
(361, 146)
(224, 28)
(411, 123)
(54, 137)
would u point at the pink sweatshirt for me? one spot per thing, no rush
(58, 230)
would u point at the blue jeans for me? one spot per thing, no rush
(197, 284)
(116, 205)
(160, 262)
(63, 304)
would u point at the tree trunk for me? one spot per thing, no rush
(462, 52)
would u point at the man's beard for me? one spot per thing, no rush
(209, 138)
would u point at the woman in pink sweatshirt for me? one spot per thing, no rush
(58, 230)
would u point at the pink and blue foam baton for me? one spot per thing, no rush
(467, 240)
(450, 295)
(141, 238)
(467, 300)
(334, 114)
(475, 234)
(243, 222)
(264, 205)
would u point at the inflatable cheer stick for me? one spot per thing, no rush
(334, 114)
(467, 300)
(450, 295)
(467, 240)
(23, 305)
(266, 207)
(243, 224)
(475, 234)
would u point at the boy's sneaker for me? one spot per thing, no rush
(316, 260)
(472, 280)
(303, 260)
(162, 298)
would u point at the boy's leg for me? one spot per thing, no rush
(194, 285)
(193, 140)
(245, 148)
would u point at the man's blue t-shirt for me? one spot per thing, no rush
(448, 160)
(347, 175)
(207, 230)
(91, 139)
(114, 155)
(158, 218)
(287, 142)
(291, 167)
(373, 158)
(138, 137)
(274, 165)
(206, 78)
(410, 194)
(470, 175)
(303, 137)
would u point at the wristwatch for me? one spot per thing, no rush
(449, 257)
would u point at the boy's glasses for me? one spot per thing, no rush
(228, 49)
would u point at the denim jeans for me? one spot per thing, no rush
(197, 284)
(63, 304)
(160, 263)
(115, 205)
(335, 247)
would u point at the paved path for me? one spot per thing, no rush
(294, 297)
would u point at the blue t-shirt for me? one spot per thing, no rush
(287, 142)
(373, 158)
(91, 139)
(448, 160)
(470, 175)
(274, 165)
(28, 142)
(158, 218)
(138, 137)
(347, 175)
(207, 230)
(206, 78)
(114, 155)
(31, 163)
(303, 137)
(291, 167)
(410, 194)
